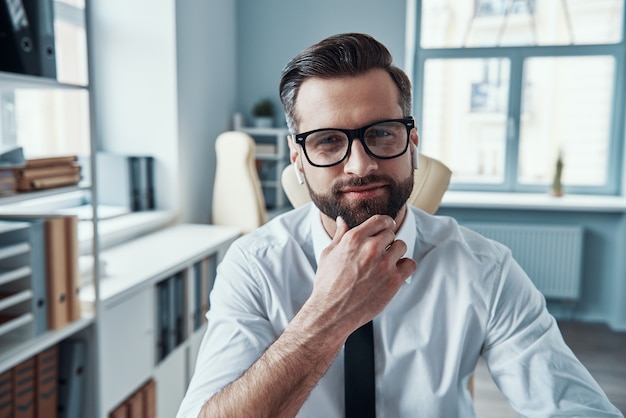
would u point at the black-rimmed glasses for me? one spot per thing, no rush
(330, 146)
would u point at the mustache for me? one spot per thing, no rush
(361, 181)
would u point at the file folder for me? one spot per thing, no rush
(41, 16)
(73, 275)
(17, 43)
(56, 269)
(72, 362)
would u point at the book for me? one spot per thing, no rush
(198, 302)
(26, 185)
(6, 394)
(163, 319)
(149, 399)
(24, 389)
(47, 161)
(55, 170)
(46, 372)
(179, 308)
(136, 405)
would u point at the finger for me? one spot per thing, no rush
(406, 267)
(340, 230)
(375, 225)
(397, 248)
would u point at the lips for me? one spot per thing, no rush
(364, 192)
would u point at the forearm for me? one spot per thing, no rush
(279, 382)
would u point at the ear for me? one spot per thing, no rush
(294, 149)
(294, 155)
(414, 140)
(414, 137)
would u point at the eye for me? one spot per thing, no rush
(326, 139)
(379, 133)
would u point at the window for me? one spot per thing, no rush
(505, 87)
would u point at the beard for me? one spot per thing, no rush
(334, 203)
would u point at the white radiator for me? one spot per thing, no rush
(550, 255)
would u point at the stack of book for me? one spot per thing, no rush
(46, 173)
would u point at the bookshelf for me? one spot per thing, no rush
(272, 156)
(30, 106)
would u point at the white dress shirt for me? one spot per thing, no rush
(467, 298)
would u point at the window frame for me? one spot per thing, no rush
(516, 55)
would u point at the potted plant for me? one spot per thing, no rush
(557, 185)
(263, 113)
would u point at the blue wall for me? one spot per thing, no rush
(271, 32)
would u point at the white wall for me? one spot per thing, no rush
(206, 94)
(133, 47)
(164, 77)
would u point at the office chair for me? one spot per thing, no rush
(431, 182)
(237, 195)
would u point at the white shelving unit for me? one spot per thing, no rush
(276, 139)
(131, 309)
(22, 339)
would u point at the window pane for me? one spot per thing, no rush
(484, 23)
(464, 116)
(566, 108)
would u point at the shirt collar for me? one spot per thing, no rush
(321, 240)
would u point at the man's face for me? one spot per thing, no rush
(360, 186)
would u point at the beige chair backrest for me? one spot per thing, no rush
(431, 182)
(237, 195)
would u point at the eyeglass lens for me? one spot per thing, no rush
(329, 146)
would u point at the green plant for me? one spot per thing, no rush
(263, 108)
(557, 185)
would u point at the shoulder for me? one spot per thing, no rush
(445, 232)
(287, 229)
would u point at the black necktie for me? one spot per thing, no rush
(360, 385)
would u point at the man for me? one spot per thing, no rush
(288, 295)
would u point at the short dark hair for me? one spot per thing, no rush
(347, 54)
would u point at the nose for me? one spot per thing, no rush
(358, 161)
